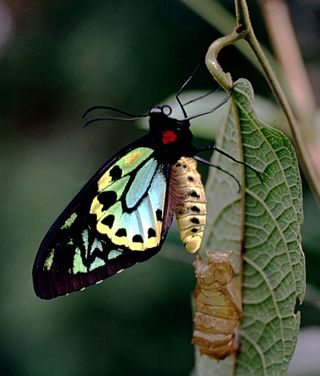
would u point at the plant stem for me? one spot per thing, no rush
(245, 31)
(282, 36)
(222, 20)
(310, 172)
(224, 79)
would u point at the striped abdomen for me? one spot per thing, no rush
(188, 197)
(217, 306)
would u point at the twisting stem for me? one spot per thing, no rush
(224, 79)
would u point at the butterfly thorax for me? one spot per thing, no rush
(171, 137)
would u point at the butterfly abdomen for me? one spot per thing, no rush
(190, 203)
(217, 306)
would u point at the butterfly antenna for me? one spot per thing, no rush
(128, 116)
(204, 161)
(93, 108)
(106, 118)
(183, 87)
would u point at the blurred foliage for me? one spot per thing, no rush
(59, 58)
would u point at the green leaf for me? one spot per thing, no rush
(261, 226)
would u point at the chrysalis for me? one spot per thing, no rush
(217, 306)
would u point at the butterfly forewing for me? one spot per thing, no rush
(117, 219)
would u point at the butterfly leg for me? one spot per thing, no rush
(214, 148)
(204, 161)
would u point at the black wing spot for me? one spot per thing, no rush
(115, 172)
(195, 208)
(184, 166)
(191, 179)
(178, 164)
(194, 230)
(151, 233)
(194, 194)
(108, 221)
(194, 220)
(159, 214)
(107, 199)
(121, 232)
(137, 239)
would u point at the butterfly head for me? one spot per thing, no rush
(165, 110)
(167, 131)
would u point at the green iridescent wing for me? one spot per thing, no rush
(119, 218)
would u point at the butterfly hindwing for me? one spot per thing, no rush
(119, 218)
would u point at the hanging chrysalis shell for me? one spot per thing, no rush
(187, 193)
(217, 306)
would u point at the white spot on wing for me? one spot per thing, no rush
(114, 253)
(96, 263)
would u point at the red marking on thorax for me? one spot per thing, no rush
(168, 136)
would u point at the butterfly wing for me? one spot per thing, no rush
(119, 218)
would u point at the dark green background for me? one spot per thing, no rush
(61, 58)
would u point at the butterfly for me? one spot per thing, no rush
(122, 215)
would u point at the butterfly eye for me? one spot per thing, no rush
(155, 110)
(167, 110)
